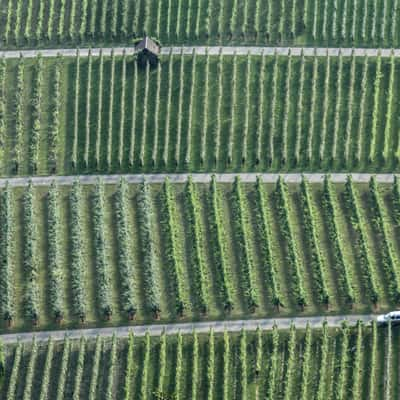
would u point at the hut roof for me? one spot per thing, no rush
(147, 44)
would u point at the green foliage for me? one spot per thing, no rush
(7, 300)
(306, 364)
(79, 368)
(30, 370)
(100, 252)
(219, 246)
(173, 254)
(112, 365)
(95, 368)
(359, 226)
(210, 366)
(273, 365)
(74, 157)
(195, 237)
(77, 271)
(30, 256)
(62, 377)
(341, 265)
(265, 234)
(151, 284)
(13, 379)
(54, 256)
(240, 221)
(291, 366)
(388, 259)
(283, 207)
(124, 255)
(317, 260)
(47, 369)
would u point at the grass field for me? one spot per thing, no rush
(198, 113)
(359, 362)
(104, 254)
(343, 23)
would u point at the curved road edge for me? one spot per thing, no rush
(187, 328)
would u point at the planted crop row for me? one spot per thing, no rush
(284, 346)
(75, 254)
(339, 22)
(306, 121)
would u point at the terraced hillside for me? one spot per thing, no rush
(294, 22)
(194, 113)
(105, 254)
(348, 362)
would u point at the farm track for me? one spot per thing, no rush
(188, 328)
(212, 50)
(197, 178)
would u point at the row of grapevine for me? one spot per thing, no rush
(79, 369)
(63, 371)
(30, 256)
(152, 289)
(343, 364)
(219, 247)
(290, 368)
(77, 268)
(45, 384)
(54, 259)
(241, 234)
(124, 255)
(3, 78)
(94, 376)
(195, 237)
(289, 130)
(7, 300)
(317, 260)
(210, 366)
(322, 382)
(111, 368)
(172, 249)
(36, 115)
(305, 368)
(286, 22)
(241, 222)
(282, 360)
(100, 252)
(284, 208)
(364, 252)
(54, 130)
(357, 362)
(389, 260)
(30, 371)
(335, 235)
(268, 259)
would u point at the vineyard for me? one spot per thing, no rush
(288, 22)
(108, 254)
(105, 113)
(360, 362)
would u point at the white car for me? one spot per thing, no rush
(393, 316)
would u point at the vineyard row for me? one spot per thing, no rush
(298, 22)
(110, 253)
(348, 361)
(194, 113)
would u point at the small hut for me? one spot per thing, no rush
(148, 51)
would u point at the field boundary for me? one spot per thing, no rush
(212, 50)
(189, 327)
(251, 177)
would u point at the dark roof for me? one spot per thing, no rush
(148, 44)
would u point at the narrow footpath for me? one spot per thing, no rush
(187, 328)
(212, 50)
(197, 178)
